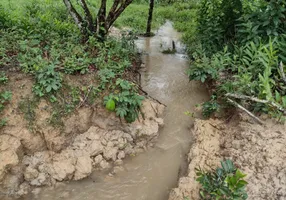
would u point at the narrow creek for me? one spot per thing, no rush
(149, 175)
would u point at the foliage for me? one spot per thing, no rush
(3, 78)
(226, 183)
(3, 122)
(41, 40)
(242, 59)
(126, 100)
(5, 97)
(210, 107)
(181, 13)
(27, 107)
(48, 81)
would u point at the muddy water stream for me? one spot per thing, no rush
(150, 175)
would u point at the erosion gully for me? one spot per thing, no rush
(149, 175)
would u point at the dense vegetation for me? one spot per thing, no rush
(41, 40)
(237, 47)
(240, 51)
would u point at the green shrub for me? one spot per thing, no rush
(47, 81)
(127, 101)
(3, 78)
(210, 107)
(225, 183)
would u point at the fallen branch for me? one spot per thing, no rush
(245, 110)
(244, 97)
(282, 72)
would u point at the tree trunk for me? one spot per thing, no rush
(101, 17)
(150, 16)
(99, 25)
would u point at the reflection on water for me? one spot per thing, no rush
(150, 175)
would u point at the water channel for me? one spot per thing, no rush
(149, 175)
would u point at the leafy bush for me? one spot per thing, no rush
(210, 107)
(127, 101)
(225, 183)
(48, 81)
(239, 46)
(5, 97)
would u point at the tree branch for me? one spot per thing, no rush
(101, 18)
(245, 110)
(244, 97)
(75, 15)
(117, 12)
(88, 16)
(112, 10)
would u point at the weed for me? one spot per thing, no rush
(27, 106)
(5, 97)
(125, 101)
(226, 182)
(3, 122)
(210, 107)
(3, 78)
(48, 81)
(56, 117)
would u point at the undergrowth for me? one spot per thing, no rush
(5, 97)
(224, 183)
(239, 50)
(41, 40)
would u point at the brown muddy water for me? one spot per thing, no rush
(149, 175)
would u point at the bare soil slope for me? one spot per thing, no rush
(34, 152)
(258, 151)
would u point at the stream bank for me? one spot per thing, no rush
(256, 150)
(152, 174)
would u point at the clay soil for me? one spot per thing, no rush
(39, 148)
(259, 151)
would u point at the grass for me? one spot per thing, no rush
(182, 14)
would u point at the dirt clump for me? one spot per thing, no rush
(259, 151)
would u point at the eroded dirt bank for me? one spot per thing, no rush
(258, 151)
(91, 138)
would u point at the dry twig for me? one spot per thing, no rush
(244, 97)
(245, 110)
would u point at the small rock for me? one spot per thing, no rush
(121, 155)
(62, 170)
(83, 167)
(97, 160)
(95, 148)
(30, 174)
(110, 153)
(24, 189)
(104, 164)
(160, 121)
(118, 162)
(40, 180)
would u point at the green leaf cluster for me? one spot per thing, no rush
(224, 183)
(48, 81)
(126, 103)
